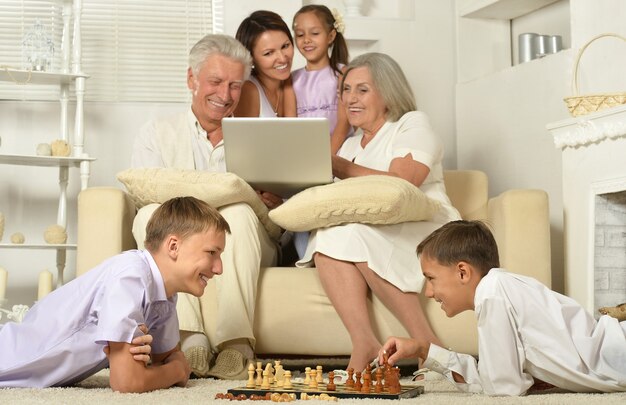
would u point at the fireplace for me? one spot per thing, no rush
(594, 206)
(609, 249)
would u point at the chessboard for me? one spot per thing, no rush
(341, 391)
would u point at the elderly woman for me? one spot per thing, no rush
(393, 139)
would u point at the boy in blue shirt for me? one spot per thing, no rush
(527, 333)
(91, 322)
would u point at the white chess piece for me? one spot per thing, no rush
(287, 380)
(279, 376)
(266, 380)
(259, 374)
(251, 382)
(319, 376)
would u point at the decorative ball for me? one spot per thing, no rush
(44, 149)
(60, 148)
(18, 238)
(55, 235)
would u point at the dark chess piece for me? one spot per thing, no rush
(357, 381)
(331, 382)
(350, 380)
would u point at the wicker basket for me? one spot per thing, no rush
(588, 103)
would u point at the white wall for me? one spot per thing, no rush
(502, 115)
(420, 34)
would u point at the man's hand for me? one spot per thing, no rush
(399, 348)
(140, 346)
(270, 200)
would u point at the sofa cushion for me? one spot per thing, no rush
(375, 199)
(157, 185)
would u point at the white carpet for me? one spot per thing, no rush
(95, 390)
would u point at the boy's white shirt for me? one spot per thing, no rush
(526, 330)
(61, 339)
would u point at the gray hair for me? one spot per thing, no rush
(389, 80)
(219, 44)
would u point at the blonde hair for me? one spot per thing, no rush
(389, 80)
(182, 216)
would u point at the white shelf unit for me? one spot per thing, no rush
(69, 74)
(500, 9)
(486, 33)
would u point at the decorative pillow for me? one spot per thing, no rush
(376, 199)
(157, 185)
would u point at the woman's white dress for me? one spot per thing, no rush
(389, 250)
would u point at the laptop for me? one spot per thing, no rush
(281, 155)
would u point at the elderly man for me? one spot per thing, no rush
(218, 67)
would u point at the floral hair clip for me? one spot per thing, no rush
(338, 24)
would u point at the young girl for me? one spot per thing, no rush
(317, 30)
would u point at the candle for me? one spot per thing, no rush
(45, 284)
(4, 275)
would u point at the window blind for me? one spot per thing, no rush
(132, 50)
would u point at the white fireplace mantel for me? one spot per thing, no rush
(591, 128)
(594, 162)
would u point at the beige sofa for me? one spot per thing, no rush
(294, 316)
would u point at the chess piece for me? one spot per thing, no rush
(386, 377)
(259, 374)
(331, 382)
(350, 381)
(307, 373)
(378, 388)
(319, 377)
(266, 380)
(270, 372)
(279, 376)
(287, 380)
(367, 380)
(357, 381)
(313, 379)
(393, 385)
(251, 382)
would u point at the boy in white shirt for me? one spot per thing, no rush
(93, 321)
(527, 333)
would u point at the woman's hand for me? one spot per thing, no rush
(270, 200)
(340, 166)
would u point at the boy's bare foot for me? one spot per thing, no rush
(618, 311)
